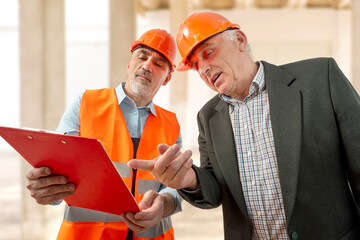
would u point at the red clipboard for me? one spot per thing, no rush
(83, 160)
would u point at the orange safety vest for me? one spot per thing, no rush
(101, 118)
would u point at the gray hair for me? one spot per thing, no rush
(230, 35)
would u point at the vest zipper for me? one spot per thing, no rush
(134, 171)
(135, 142)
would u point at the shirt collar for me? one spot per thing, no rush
(122, 97)
(257, 85)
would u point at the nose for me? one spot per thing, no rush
(203, 68)
(147, 65)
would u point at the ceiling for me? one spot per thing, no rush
(243, 4)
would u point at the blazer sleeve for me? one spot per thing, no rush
(346, 104)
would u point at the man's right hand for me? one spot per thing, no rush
(46, 188)
(172, 168)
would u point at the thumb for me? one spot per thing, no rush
(145, 165)
(145, 204)
(148, 199)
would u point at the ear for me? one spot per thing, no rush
(129, 63)
(167, 79)
(242, 40)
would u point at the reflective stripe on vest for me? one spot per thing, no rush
(122, 169)
(143, 185)
(146, 185)
(162, 227)
(76, 214)
(101, 118)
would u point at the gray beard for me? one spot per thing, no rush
(140, 89)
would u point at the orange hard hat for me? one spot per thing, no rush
(195, 29)
(159, 40)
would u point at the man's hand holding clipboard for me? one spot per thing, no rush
(76, 169)
(46, 188)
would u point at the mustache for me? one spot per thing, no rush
(143, 72)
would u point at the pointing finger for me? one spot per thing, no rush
(145, 165)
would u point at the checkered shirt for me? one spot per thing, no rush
(257, 162)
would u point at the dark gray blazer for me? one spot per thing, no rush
(315, 117)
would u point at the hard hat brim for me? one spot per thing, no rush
(134, 44)
(182, 66)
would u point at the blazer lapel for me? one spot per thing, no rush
(224, 147)
(285, 112)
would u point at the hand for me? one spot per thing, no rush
(46, 188)
(172, 168)
(154, 206)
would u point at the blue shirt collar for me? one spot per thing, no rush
(122, 97)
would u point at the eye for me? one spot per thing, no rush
(142, 56)
(159, 64)
(207, 53)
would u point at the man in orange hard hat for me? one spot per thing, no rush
(279, 145)
(128, 124)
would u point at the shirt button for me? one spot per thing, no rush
(249, 153)
(245, 126)
(294, 236)
(253, 183)
(258, 213)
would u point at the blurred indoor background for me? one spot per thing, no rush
(51, 50)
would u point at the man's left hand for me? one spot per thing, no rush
(154, 206)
